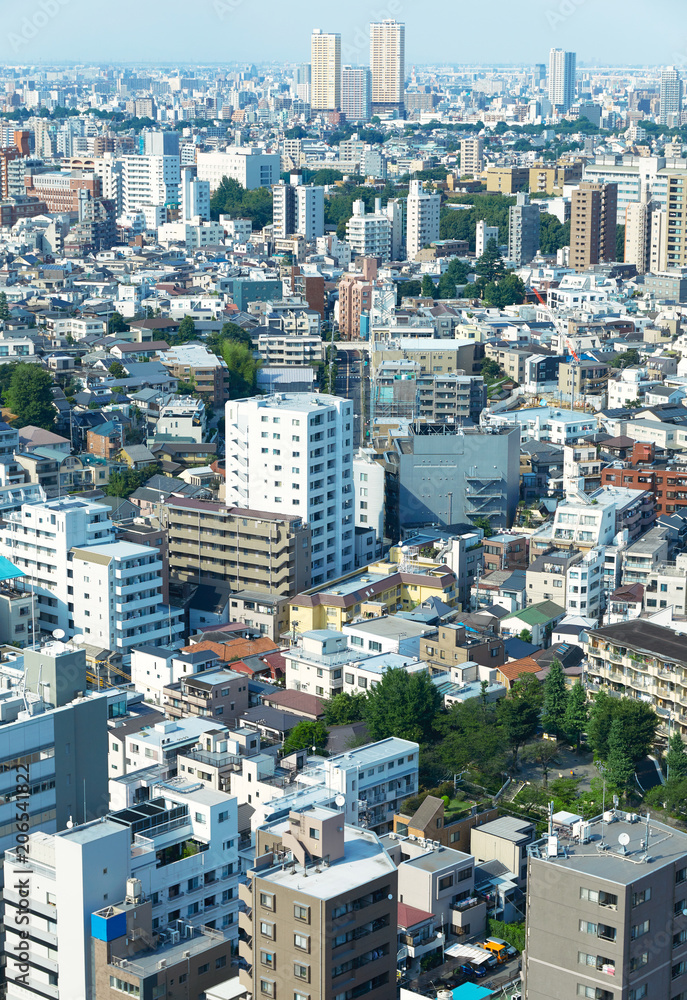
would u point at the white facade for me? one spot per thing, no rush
(298, 209)
(585, 521)
(561, 79)
(422, 223)
(369, 235)
(484, 233)
(150, 180)
(250, 166)
(356, 93)
(387, 63)
(292, 453)
(585, 585)
(182, 417)
(369, 492)
(195, 197)
(325, 70)
(315, 664)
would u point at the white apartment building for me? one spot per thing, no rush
(297, 209)
(369, 485)
(633, 174)
(182, 417)
(291, 453)
(484, 233)
(370, 234)
(356, 93)
(325, 70)
(387, 64)
(195, 197)
(422, 223)
(471, 157)
(155, 745)
(180, 846)
(251, 166)
(150, 181)
(316, 662)
(667, 586)
(561, 79)
(583, 523)
(153, 668)
(364, 675)
(585, 585)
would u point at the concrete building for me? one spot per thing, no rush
(422, 223)
(506, 840)
(251, 166)
(473, 474)
(304, 436)
(471, 156)
(523, 230)
(370, 234)
(561, 79)
(593, 224)
(193, 362)
(356, 93)
(645, 235)
(387, 65)
(325, 62)
(484, 233)
(195, 197)
(369, 493)
(153, 181)
(297, 208)
(182, 417)
(602, 942)
(670, 97)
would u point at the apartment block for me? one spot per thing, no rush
(524, 220)
(320, 911)
(455, 644)
(471, 157)
(251, 166)
(325, 70)
(593, 224)
(213, 694)
(622, 931)
(387, 65)
(422, 223)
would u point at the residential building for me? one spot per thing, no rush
(251, 166)
(561, 79)
(182, 417)
(387, 65)
(277, 348)
(213, 694)
(456, 644)
(585, 585)
(593, 224)
(644, 555)
(321, 906)
(483, 234)
(356, 93)
(471, 156)
(304, 436)
(523, 230)
(207, 371)
(297, 208)
(506, 840)
(675, 247)
(507, 180)
(666, 586)
(581, 468)
(369, 234)
(505, 551)
(546, 576)
(588, 521)
(422, 223)
(645, 234)
(369, 485)
(582, 377)
(599, 944)
(325, 63)
(151, 181)
(670, 97)
(195, 197)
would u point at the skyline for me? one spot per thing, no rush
(604, 33)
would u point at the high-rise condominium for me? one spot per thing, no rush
(561, 78)
(356, 93)
(671, 97)
(422, 219)
(325, 70)
(593, 224)
(524, 220)
(387, 63)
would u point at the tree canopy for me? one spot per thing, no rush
(639, 723)
(519, 712)
(343, 709)
(402, 704)
(28, 395)
(232, 199)
(305, 736)
(555, 700)
(243, 369)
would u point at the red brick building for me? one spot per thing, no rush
(60, 191)
(667, 484)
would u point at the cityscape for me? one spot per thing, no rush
(343, 503)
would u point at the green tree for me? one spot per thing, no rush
(519, 712)
(427, 290)
(671, 796)
(186, 331)
(525, 635)
(555, 700)
(543, 753)
(676, 758)
(553, 234)
(232, 199)
(402, 704)
(232, 331)
(576, 714)
(29, 396)
(117, 323)
(626, 358)
(117, 369)
(620, 767)
(305, 736)
(470, 736)
(243, 369)
(506, 291)
(620, 242)
(407, 289)
(4, 308)
(455, 274)
(491, 371)
(343, 709)
(490, 266)
(599, 725)
(485, 524)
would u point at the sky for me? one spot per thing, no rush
(602, 32)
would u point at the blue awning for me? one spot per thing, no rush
(8, 571)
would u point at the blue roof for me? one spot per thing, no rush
(471, 991)
(8, 571)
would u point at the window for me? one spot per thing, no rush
(267, 929)
(300, 996)
(446, 882)
(301, 941)
(220, 962)
(639, 929)
(374, 647)
(301, 971)
(587, 927)
(123, 987)
(643, 896)
(202, 969)
(680, 875)
(637, 961)
(593, 992)
(638, 992)
(301, 912)
(267, 900)
(267, 987)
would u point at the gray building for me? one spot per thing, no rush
(450, 475)
(606, 911)
(523, 230)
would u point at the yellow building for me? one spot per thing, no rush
(382, 588)
(507, 180)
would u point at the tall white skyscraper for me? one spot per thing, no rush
(561, 79)
(356, 93)
(325, 70)
(671, 97)
(422, 220)
(387, 64)
(292, 453)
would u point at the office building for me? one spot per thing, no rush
(593, 224)
(303, 468)
(422, 223)
(484, 233)
(471, 156)
(524, 221)
(297, 208)
(301, 82)
(325, 63)
(622, 879)
(356, 93)
(387, 65)
(670, 97)
(321, 911)
(561, 79)
(251, 166)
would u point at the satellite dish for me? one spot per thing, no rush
(624, 839)
(77, 639)
(340, 800)
(59, 633)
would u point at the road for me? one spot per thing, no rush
(350, 384)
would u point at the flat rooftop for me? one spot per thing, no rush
(615, 862)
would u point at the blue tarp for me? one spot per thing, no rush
(471, 991)
(8, 571)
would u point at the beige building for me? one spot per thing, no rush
(675, 234)
(387, 64)
(508, 180)
(504, 839)
(471, 156)
(321, 912)
(453, 644)
(325, 61)
(593, 216)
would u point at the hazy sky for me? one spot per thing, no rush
(602, 32)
